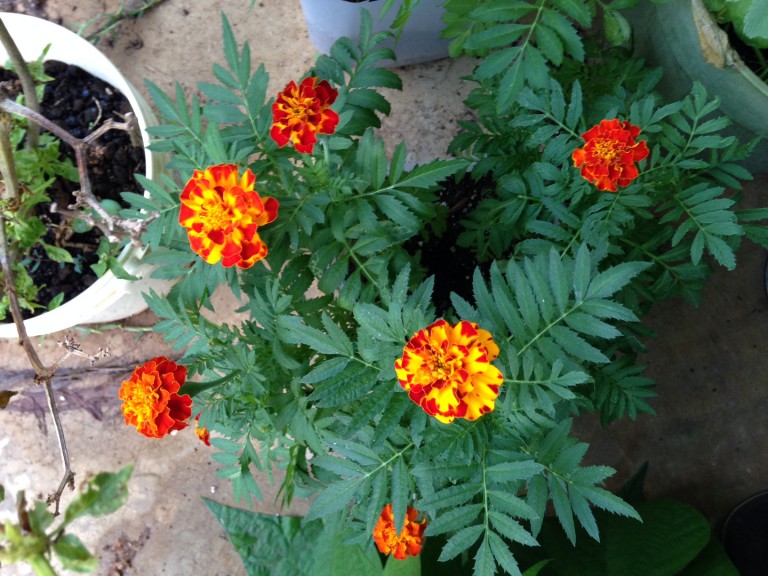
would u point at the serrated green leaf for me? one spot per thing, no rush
(503, 555)
(459, 542)
(510, 528)
(454, 519)
(333, 498)
(511, 471)
(484, 562)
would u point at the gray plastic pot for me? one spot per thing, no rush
(682, 37)
(329, 20)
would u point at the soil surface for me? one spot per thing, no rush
(453, 266)
(79, 102)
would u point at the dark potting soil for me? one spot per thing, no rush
(80, 102)
(453, 266)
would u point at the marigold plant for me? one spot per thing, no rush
(503, 305)
(151, 401)
(301, 112)
(407, 542)
(447, 370)
(609, 154)
(222, 214)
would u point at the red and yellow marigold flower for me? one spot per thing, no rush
(410, 539)
(609, 154)
(222, 214)
(301, 112)
(447, 370)
(151, 401)
(202, 432)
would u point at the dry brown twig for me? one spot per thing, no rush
(114, 229)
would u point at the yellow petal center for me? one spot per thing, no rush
(141, 401)
(606, 149)
(215, 216)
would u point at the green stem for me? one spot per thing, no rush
(41, 566)
(9, 167)
(27, 84)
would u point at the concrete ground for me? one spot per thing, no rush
(706, 445)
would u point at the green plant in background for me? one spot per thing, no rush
(32, 164)
(597, 200)
(749, 19)
(673, 539)
(36, 168)
(36, 538)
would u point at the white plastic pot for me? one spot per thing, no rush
(109, 298)
(329, 20)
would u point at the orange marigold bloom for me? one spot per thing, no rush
(447, 370)
(410, 539)
(301, 112)
(151, 401)
(609, 154)
(202, 432)
(222, 214)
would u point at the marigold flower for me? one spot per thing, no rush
(151, 401)
(301, 112)
(609, 154)
(410, 539)
(202, 432)
(222, 215)
(447, 370)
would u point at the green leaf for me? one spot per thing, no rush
(430, 174)
(268, 544)
(536, 568)
(57, 254)
(484, 562)
(756, 22)
(293, 330)
(333, 498)
(674, 531)
(607, 501)
(712, 561)
(453, 519)
(562, 506)
(617, 29)
(503, 555)
(411, 566)
(73, 554)
(460, 541)
(400, 484)
(511, 471)
(104, 494)
(612, 280)
(511, 529)
(326, 370)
